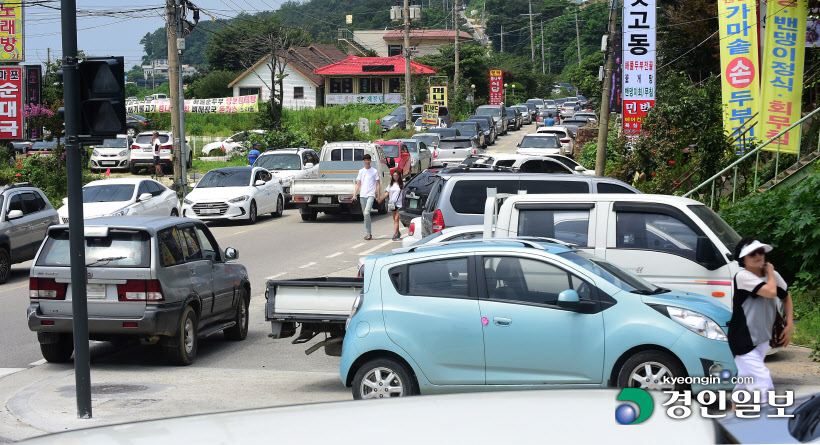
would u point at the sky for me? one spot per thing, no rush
(116, 27)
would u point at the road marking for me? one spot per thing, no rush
(376, 248)
(334, 255)
(307, 265)
(38, 362)
(13, 288)
(272, 277)
(8, 371)
(358, 245)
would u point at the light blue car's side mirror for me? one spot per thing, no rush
(568, 295)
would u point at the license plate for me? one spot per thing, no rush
(108, 163)
(324, 200)
(147, 149)
(209, 211)
(414, 203)
(44, 155)
(95, 292)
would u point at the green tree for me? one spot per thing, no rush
(214, 84)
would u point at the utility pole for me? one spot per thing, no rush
(578, 37)
(76, 236)
(455, 27)
(173, 80)
(502, 37)
(409, 107)
(182, 143)
(603, 126)
(542, 47)
(532, 35)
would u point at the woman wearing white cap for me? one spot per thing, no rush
(756, 288)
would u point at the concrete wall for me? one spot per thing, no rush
(260, 78)
(373, 39)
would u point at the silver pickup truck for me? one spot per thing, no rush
(318, 305)
(332, 191)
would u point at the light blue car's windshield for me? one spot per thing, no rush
(621, 278)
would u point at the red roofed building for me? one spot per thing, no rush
(372, 80)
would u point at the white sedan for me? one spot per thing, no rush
(229, 146)
(235, 193)
(125, 197)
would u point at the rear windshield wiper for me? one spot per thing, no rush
(106, 260)
(660, 290)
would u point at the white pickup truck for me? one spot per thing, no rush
(317, 305)
(332, 191)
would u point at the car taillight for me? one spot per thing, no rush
(169, 146)
(46, 289)
(412, 229)
(360, 273)
(345, 198)
(140, 290)
(438, 221)
(299, 198)
(565, 141)
(223, 147)
(435, 154)
(539, 118)
(144, 124)
(135, 147)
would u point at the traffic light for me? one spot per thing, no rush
(102, 97)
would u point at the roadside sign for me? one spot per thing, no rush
(438, 95)
(496, 87)
(429, 114)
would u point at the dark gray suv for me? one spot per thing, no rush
(25, 216)
(159, 280)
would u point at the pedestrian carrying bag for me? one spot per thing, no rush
(391, 207)
(777, 329)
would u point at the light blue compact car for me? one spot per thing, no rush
(524, 314)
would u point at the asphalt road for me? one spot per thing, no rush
(280, 248)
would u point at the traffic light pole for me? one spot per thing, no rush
(183, 158)
(173, 80)
(76, 237)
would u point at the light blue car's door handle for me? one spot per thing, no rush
(500, 321)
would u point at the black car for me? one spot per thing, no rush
(445, 132)
(486, 127)
(136, 124)
(490, 122)
(415, 194)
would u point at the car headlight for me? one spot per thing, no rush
(239, 199)
(187, 201)
(121, 212)
(697, 323)
(95, 153)
(123, 153)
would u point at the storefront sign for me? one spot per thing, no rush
(222, 105)
(638, 68)
(33, 97)
(11, 31)
(438, 95)
(496, 87)
(11, 102)
(429, 114)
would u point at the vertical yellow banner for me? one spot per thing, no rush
(782, 73)
(739, 64)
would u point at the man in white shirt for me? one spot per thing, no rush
(368, 182)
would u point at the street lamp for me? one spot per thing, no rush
(472, 96)
(505, 94)
(513, 93)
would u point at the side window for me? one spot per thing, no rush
(534, 166)
(336, 154)
(524, 280)
(605, 187)
(571, 226)
(40, 201)
(154, 188)
(651, 231)
(469, 196)
(194, 249)
(16, 203)
(466, 236)
(209, 247)
(358, 154)
(533, 187)
(30, 203)
(170, 249)
(442, 278)
(554, 167)
(143, 188)
(314, 158)
(266, 175)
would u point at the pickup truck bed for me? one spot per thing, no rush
(319, 305)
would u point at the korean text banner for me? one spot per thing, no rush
(496, 87)
(11, 31)
(11, 102)
(639, 45)
(429, 114)
(222, 105)
(782, 77)
(438, 95)
(739, 68)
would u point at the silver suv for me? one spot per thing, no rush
(160, 280)
(25, 216)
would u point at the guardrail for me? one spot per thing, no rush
(756, 152)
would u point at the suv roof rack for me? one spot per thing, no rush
(527, 241)
(19, 184)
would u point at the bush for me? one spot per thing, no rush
(48, 174)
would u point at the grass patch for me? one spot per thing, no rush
(807, 320)
(200, 166)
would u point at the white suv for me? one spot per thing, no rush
(142, 154)
(564, 135)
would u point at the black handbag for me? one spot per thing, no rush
(777, 329)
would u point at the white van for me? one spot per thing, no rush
(673, 242)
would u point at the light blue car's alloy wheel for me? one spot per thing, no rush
(653, 376)
(380, 383)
